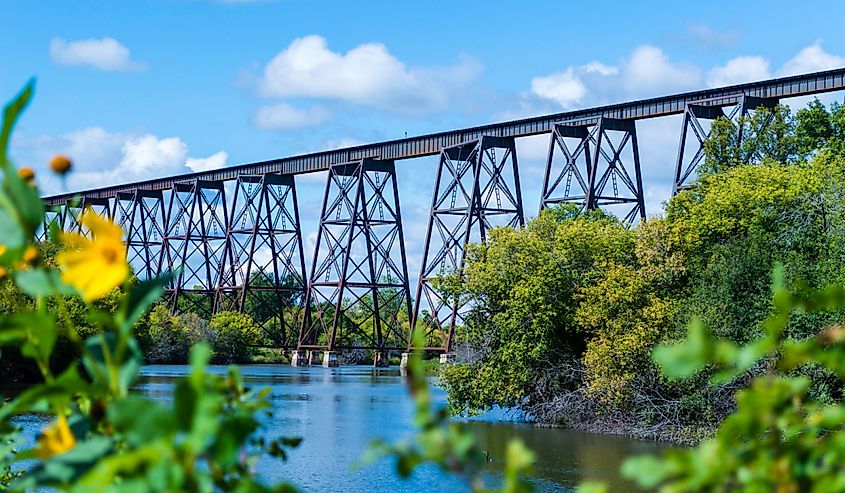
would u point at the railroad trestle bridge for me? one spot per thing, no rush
(234, 239)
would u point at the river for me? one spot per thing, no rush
(339, 411)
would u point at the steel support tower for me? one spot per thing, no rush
(263, 269)
(141, 214)
(698, 117)
(596, 166)
(476, 189)
(358, 294)
(194, 239)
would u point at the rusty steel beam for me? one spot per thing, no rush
(431, 144)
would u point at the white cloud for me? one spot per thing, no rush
(646, 72)
(739, 70)
(148, 153)
(563, 87)
(105, 54)
(214, 161)
(282, 116)
(367, 74)
(103, 158)
(811, 59)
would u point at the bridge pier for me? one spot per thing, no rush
(330, 359)
(381, 359)
(358, 284)
(691, 146)
(299, 358)
(263, 265)
(141, 214)
(193, 241)
(601, 177)
(477, 188)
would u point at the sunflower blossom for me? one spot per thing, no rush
(56, 439)
(97, 265)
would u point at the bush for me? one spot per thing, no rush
(235, 335)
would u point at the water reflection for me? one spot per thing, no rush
(339, 411)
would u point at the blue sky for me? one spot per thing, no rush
(137, 89)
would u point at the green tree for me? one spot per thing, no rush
(235, 337)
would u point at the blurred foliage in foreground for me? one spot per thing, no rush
(103, 438)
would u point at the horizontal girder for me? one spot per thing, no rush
(431, 144)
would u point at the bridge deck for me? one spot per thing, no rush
(427, 145)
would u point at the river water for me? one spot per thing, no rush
(338, 411)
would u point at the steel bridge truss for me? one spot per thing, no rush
(263, 264)
(194, 240)
(358, 294)
(608, 177)
(476, 189)
(698, 117)
(141, 214)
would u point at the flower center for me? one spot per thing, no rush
(110, 255)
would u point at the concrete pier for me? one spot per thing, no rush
(403, 364)
(381, 360)
(330, 359)
(447, 358)
(299, 358)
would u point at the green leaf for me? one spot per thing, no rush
(128, 367)
(11, 113)
(686, 358)
(141, 296)
(139, 419)
(39, 398)
(13, 235)
(38, 282)
(592, 487)
(648, 471)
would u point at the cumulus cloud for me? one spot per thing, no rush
(741, 69)
(214, 161)
(104, 54)
(283, 116)
(564, 88)
(647, 71)
(367, 74)
(103, 158)
(738, 70)
(811, 59)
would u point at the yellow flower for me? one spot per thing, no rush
(30, 255)
(94, 266)
(56, 439)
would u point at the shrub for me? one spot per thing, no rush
(235, 335)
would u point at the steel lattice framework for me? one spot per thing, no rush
(263, 264)
(698, 112)
(598, 179)
(193, 244)
(141, 214)
(431, 144)
(358, 295)
(476, 189)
